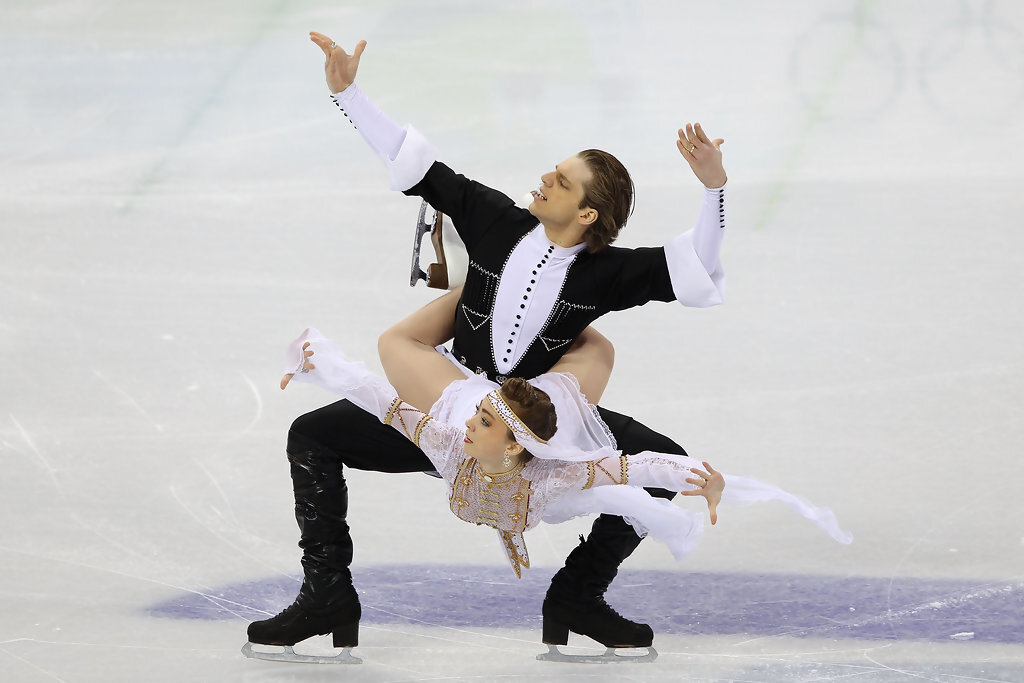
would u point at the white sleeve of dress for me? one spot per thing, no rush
(747, 491)
(693, 258)
(612, 485)
(439, 441)
(647, 469)
(561, 493)
(405, 152)
(667, 471)
(333, 372)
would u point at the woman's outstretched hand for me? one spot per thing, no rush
(307, 353)
(710, 485)
(340, 66)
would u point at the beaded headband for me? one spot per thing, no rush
(508, 416)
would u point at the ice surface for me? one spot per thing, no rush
(178, 197)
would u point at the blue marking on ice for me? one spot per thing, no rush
(673, 602)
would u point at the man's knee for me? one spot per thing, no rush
(320, 428)
(634, 436)
(300, 435)
(660, 442)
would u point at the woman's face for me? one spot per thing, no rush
(487, 435)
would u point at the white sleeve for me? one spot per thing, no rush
(405, 152)
(693, 258)
(678, 528)
(670, 472)
(333, 372)
(647, 469)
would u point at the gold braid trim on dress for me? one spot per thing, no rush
(419, 428)
(623, 472)
(391, 411)
(515, 548)
(397, 409)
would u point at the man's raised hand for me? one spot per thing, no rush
(703, 155)
(340, 66)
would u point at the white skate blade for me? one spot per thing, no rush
(633, 655)
(288, 654)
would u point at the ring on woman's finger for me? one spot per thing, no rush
(334, 45)
(692, 147)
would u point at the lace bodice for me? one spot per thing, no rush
(518, 500)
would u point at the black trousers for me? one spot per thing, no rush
(354, 438)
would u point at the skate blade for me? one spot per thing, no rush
(422, 228)
(288, 654)
(611, 655)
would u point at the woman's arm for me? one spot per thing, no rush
(684, 474)
(660, 470)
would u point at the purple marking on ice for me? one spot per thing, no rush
(673, 602)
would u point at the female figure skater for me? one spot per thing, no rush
(506, 466)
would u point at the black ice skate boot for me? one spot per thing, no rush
(327, 601)
(575, 601)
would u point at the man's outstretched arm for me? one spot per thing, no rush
(405, 152)
(687, 269)
(693, 257)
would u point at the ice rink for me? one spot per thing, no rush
(179, 197)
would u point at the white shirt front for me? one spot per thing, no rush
(527, 291)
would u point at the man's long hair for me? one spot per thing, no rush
(610, 193)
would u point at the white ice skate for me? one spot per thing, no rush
(611, 655)
(286, 653)
(449, 270)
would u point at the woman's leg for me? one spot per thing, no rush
(590, 360)
(414, 368)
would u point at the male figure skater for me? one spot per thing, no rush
(536, 279)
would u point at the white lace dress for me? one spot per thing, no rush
(549, 490)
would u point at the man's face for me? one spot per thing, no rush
(556, 202)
